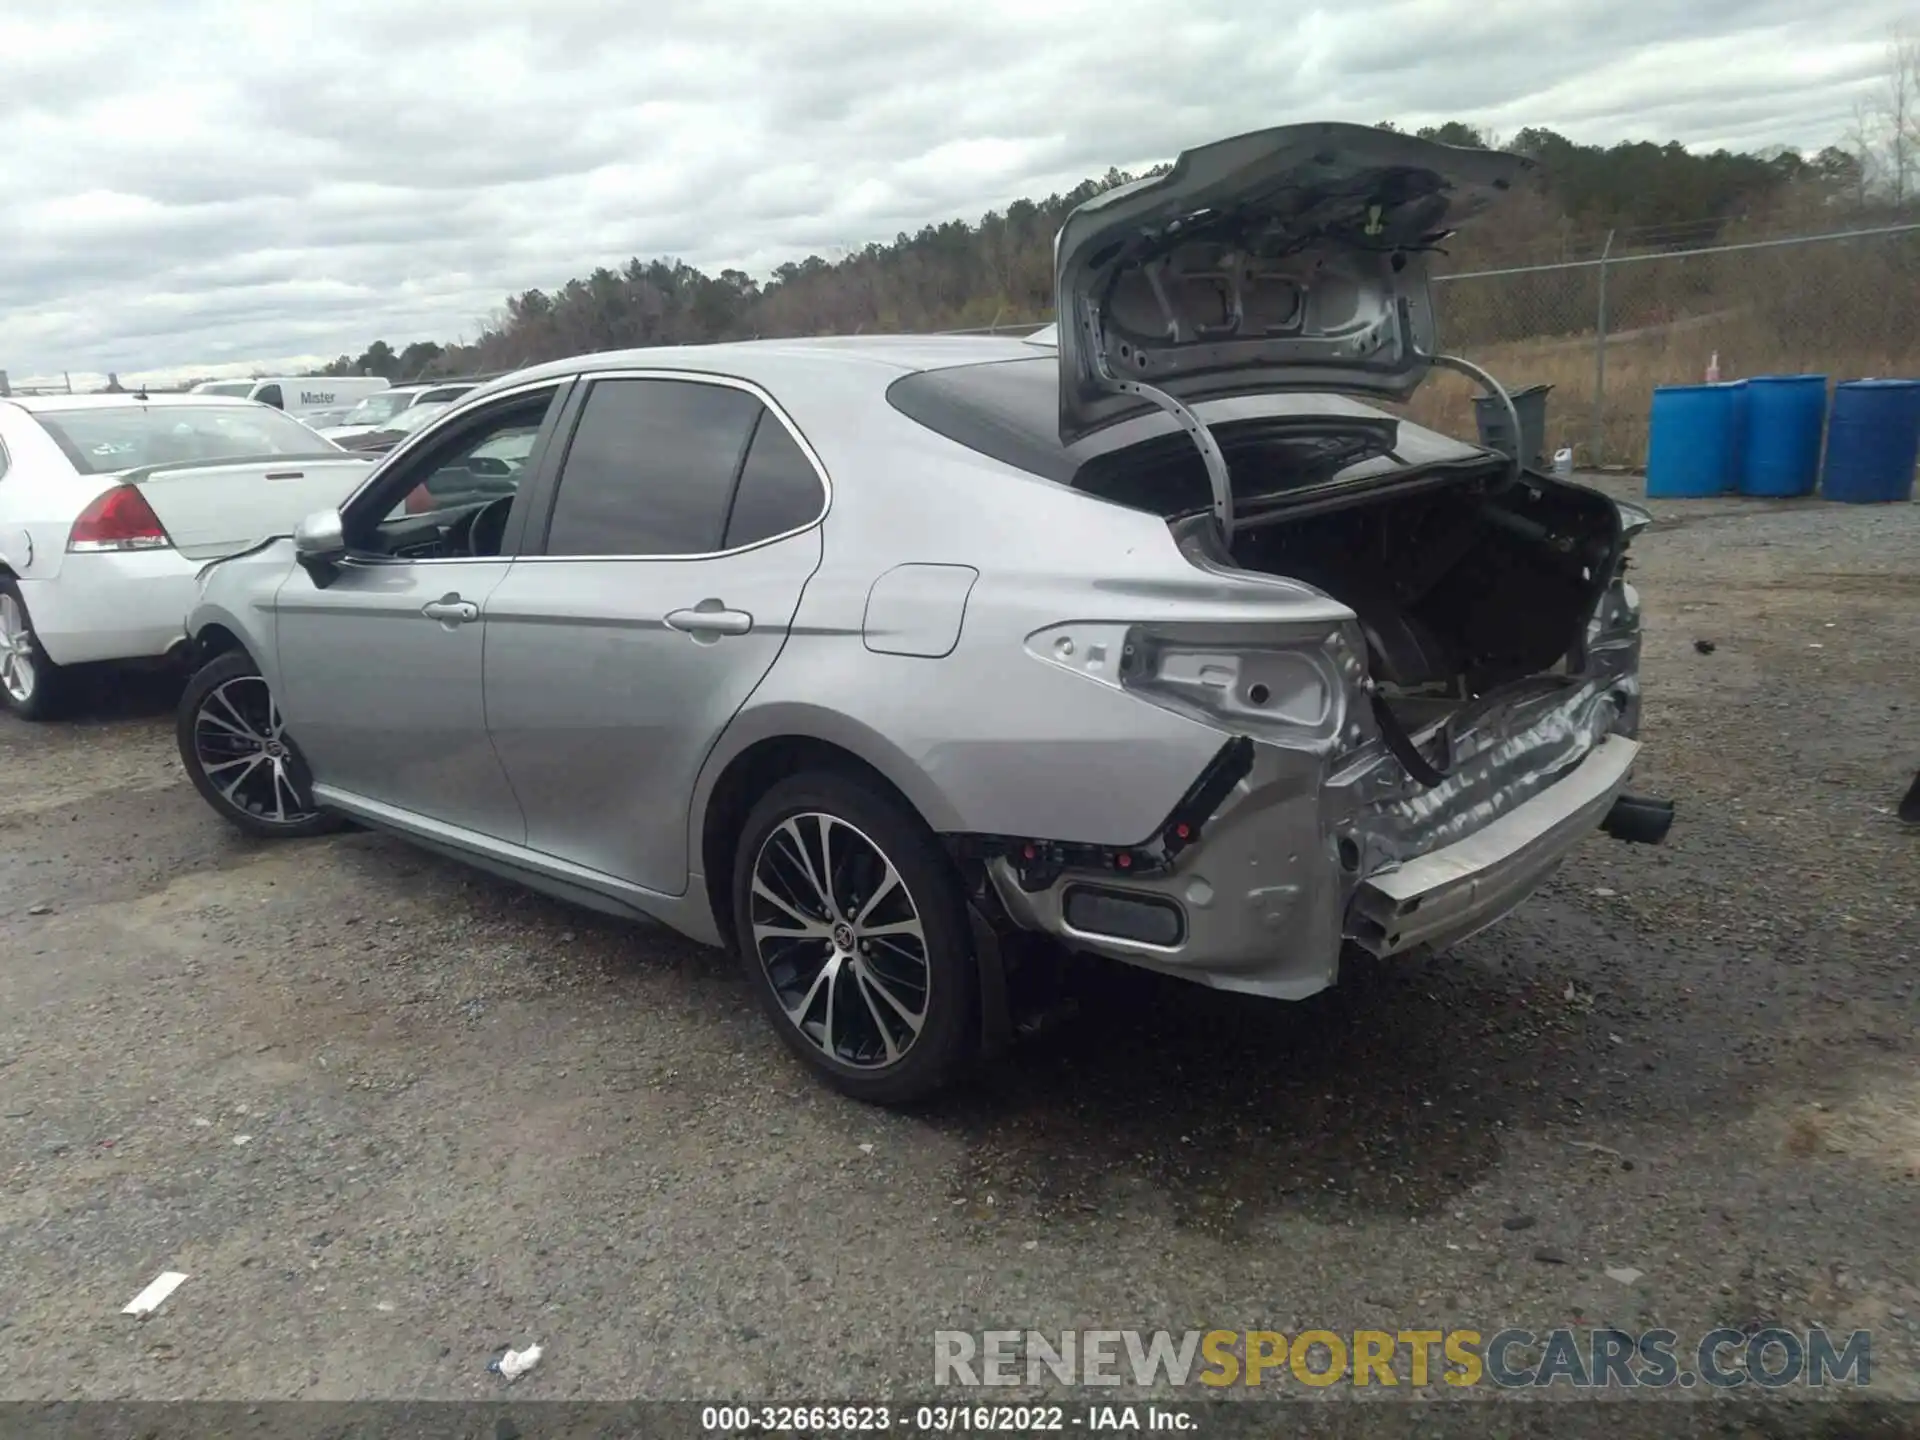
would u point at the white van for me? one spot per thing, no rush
(302, 396)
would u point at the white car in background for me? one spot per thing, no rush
(378, 412)
(111, 504)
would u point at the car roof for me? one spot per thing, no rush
(996, 394)
(750, 359)
(52, 404)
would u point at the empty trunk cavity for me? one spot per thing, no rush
(1463, 584)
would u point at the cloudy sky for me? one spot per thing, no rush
(195, 183)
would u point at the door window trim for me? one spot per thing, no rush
(403, 455)
(540, 518)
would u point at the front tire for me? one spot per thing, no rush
(853, 930)
(31, 685)
(239, 756)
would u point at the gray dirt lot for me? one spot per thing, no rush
(481, 1118)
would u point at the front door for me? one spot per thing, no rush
(657, 594)
(380, 668)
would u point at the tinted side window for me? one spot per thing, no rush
(650, 469)
(779, 489)
(270, 395)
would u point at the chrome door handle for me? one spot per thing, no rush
(450, 610)
(709, 620)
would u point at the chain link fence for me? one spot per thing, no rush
(1605, 332)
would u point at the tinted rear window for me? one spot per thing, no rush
(779, 489)
(102, 440)
(1008, 409)
(650, 470)
(1274, 443)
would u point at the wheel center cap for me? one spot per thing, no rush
(276, 749)
(843, 936)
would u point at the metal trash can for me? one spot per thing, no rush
(1530, 405)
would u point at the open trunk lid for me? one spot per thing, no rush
(1294, 258)
(214, 510)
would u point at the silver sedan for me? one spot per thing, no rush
(903, 665)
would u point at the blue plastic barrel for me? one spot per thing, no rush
(1873, 441)
(1690, 441)
(1780, 442)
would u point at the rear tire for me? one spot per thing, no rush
(31, 686)
(853, 929)
(239, 756)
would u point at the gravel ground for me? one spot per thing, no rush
(392, 1116)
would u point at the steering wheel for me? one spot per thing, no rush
(488, 528)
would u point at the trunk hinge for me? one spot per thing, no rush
(1209, 448)
(1495, 390)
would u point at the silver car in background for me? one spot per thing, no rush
(869, 657)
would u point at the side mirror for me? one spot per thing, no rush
(319, 543)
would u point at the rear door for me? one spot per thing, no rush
(657, 591)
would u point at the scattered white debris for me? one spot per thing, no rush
(150, 1299)
(1815, 645)
(1625, 1274)
(515, 1363)
(202, 1122)
(1615, 1039)
(243, 1139)
(1030, 1245)
(385, 1307)
(1571, 992)
(1604, 893)
(866, 1149)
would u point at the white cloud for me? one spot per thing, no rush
(207, 181)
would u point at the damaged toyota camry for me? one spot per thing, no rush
(893, 663)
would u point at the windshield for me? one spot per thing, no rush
(100, 440)
(378, 409)
(416, 416)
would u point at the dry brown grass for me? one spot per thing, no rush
(1839, 308)
(1636, 364)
